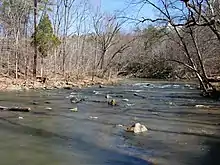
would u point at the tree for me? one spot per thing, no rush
(147, 59)
(45, 38)
(13, 17)
(110, 42)
(185, 21)
(35, 39)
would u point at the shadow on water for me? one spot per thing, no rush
(172, 119)
(99, 155)
(185, 112)
(212, 157)
(186, 133)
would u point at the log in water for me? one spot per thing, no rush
(15, 109)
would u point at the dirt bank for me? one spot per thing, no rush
(8, 84)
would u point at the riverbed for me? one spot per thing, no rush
(183, 127)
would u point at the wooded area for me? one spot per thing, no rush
(66, 38)
(191, 38)
(69, 39)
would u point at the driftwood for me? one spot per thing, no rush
(16, 109)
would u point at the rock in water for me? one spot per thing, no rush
(35, 103)
(47, 102)
(108, 96)
(201, 106)
(74, 110)
(136, 94)
(137, 128)
(112, 102)
(75, 100)
(125, 100)
(93, 117)
(48, 108)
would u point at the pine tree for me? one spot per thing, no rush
(45, 39)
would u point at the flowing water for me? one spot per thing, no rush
(180, 133)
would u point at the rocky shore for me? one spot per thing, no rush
(9, 84)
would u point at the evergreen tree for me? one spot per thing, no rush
(45, 38)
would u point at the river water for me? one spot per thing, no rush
(181, 131)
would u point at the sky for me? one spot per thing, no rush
(125, 7)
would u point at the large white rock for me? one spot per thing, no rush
(137, 128)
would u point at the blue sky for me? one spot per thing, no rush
(123, 5)
(130, 10)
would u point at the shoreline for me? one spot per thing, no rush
(10, 84)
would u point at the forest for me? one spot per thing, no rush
(71, 39)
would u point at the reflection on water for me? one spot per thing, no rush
(178, 132)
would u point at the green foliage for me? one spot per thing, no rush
(45, 38)
(152, 35)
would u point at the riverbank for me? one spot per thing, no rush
(10, 84)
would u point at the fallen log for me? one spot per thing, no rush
(16, 109)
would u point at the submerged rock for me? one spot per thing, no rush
(108, 96)
(201, 106)
(74, 109)
(97, 92)
(125, 100)
(112, 102)
(130, 105)
(119, 96)
(47, 102)
(136, 128)
(136, 94)
(119, 125)
(93, 117)
(48, 108)
(76, 100)
(101, 86)
(35, 103)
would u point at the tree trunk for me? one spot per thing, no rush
(55, 63)
(8, 63)
(42, 67)
(16, 65)
(64, 35)
(16, 55)
(35, 40)
(95, 59)
(102, 60)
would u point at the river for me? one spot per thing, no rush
(181, 131)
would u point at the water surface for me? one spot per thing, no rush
(179, 133)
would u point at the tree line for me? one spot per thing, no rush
(70, 39)
(185, 42)
(62, 38)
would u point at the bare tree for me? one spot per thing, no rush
(107, 31)
(35, 39)
(194, 14)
